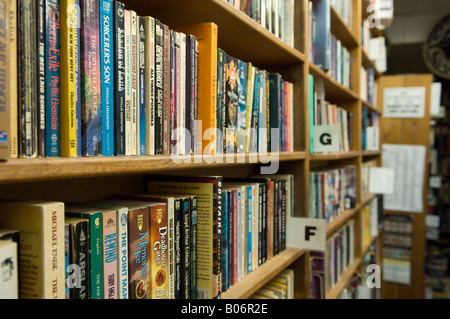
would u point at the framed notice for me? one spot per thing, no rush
(404, 102)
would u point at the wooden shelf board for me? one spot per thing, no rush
(343, 280)
(341, 30)
(368, 199)
(341, 220)
(263, 274)
(370, 153)
(334, 91)
(238, 34)
(370, 106)
(333, 156)
(366, 249)
(31, 169)
(368, 63)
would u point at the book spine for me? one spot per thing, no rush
(158, 260)
(27, 78)
(231, 103)
(177, 244)
(141, 74)
(196, 131)
(217, 230)
(193, 248)
(107, 73)
(150, 85)
(110, 255)
(177, 72)
(127, 29)
(166, 90)
(134, 79)
(76, 21)
(225, 220)
(69, 42)
(52, 79)
(67, 257)
(234, 237)
(242, 102)
(80, 257)
(119, 77)
(138, 254)
(171, 249)
(185, 253)
(253, 146)
(260, 218)
(159, 87)
(220, 103)
(264, 225)
(189, 91)
(173, 83)
(41, 22)
(249, 228)
(91, 128)
(122, 252)
(6, 86)
(182, 126)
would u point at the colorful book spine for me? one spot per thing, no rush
(190, 83)
(134, 84)
(220, 103)
(91, 123)
(242, 109)
(231, 103)
(159, 38)
(52, 79)
(27, 78)
(41, 8)
(225, 218)
(173, 83)
(150, 85)
(182, 113)
(166, 90)
(75, 17)
(127, 30)
(119, 78)
(5, 86)
(95, 248)
(110, 255)
(79, 255)
(159, 281)
(141, 74)
(185, 251)
(106, 9)
(249, 227)
(138, 252)
(69, 42)
(177, 110)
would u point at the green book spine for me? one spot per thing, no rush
(311, 112)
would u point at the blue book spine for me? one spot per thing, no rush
(107, 76)
(142, 126)
(249, 228)
(52, 79)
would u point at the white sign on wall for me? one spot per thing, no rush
(404, 102)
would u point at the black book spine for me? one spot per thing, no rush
(177, 204)
(193, 248)
(119, 75)
(159, 86)
(264, 224)
(275, 217)
(190, 64)
(260, 218)
(185, 252)
(220, 97)
(27, 78)
(79, 255)
(283, 216)
(40, 80)
(253, 147)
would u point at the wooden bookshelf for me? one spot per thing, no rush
(263, 274)
(83, 179)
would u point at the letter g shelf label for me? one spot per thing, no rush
(326, 138)
(306, 233)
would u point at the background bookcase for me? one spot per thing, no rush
(95, 178)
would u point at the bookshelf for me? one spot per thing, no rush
(95, 178)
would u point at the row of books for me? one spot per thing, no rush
(326, 50)
(397, 237)
(331, 192)
(370, 129)
(321, 112)
(368, 85)
(117, 83)
(366, 35)
(365, 175)
(185, 238)
(250, 103)
(277, 16)
(345, 10)
(327, 267)
(280, 287)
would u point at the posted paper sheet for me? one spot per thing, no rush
(408, 163)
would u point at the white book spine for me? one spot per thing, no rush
(122, 253)
(134, 84)
(127, 27)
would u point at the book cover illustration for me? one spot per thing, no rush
(91, 122)
(242, 114)
(232, 104)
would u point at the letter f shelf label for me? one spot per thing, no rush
(306, 233)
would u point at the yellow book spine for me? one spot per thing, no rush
(70, 17)
(13, 98)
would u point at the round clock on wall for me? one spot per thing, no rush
(437, 49)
